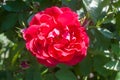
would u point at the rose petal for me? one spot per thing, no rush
(49, 62)
(53, 11)
(68, 18)
(35, 19)
(60, 54)
(30, 32)
(65, 9)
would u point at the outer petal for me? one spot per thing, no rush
(76, 59)
(67, 18)
(66, 9)
(49, 62)
(35, 19)
(30, 32)
(53, 11)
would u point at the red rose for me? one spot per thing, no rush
(56, 36)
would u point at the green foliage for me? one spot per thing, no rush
(65, 75)
(103, 27)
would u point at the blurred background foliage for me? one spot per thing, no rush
(102, 21)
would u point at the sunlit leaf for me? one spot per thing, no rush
(96, 8)
(113, 65)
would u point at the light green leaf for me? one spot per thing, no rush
(117, 76)
(117, 4)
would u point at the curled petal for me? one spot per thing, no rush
(60, 54)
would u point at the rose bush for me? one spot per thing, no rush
(56, 36)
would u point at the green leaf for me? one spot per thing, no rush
(15, 6)
(2, 74)
(23, 19)
(73, 4)
(99, 41)
(106, 33)
(118, 22)
(33, 74)
(113, 65)
(37, 75)
(98, 64)
(29, 74)
(45, 3)
(16, 52)
(63, 66)
(65, 75)
(9, 75)
(95, 8)
(50, 76)
(9, 21)
(116, 49)
(117, 76)
(85, 67)
(117, 4)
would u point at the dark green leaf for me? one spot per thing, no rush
(99, 41)
(99, 62)
(85, 67)
(63, 66)
(116, 50)
(23, 19)
(9, 21)
(9, 75)
(2, 74)
(65, 75)
(118, 22)
(33, 74)
(106, 33)
(29, 74)
(73, 4)
(15, 6)
(50, 77)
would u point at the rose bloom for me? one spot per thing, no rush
(56, 36)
